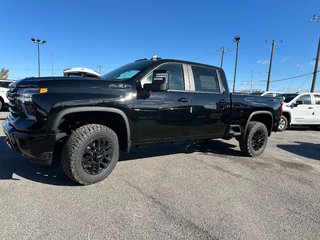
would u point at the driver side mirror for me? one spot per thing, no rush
(159, 81)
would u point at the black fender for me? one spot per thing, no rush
(258, 113)
(61, 114)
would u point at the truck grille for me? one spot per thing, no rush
(15, 107)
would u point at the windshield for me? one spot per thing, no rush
(288, 96)
(128, 71)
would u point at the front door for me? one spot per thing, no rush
(163, 115)
(304, 111)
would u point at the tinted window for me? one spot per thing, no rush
(128, 71)
(175, 73)
(306, 99)
(205, 79)
(317, 99)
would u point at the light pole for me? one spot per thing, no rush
(38, 41)
(236, 40)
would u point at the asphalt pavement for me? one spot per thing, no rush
(171, 192)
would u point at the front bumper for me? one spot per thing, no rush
(38, 147)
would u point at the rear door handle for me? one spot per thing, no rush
(183, 100)
(310, 107)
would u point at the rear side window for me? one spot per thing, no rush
(205, 79)
(317, 99)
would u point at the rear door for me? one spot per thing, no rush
(210, 112)
(303, 113)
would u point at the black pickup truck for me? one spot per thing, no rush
(144, 102)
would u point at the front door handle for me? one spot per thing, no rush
(183, 100)
(223, 101)
(310, 107)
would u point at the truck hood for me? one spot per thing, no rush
(77, 82)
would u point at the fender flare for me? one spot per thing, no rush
(61, 114)
(257, 113)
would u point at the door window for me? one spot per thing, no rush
(305, 99)
(205, 79)
(317, 99)
(175, 74)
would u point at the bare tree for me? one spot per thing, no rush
(4, 73)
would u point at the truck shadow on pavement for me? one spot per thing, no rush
(212, 146)
(303, 149)
(14, 167)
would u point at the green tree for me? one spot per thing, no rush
(4, 73)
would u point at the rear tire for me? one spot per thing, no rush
(90, 154)
(283, 124)
(255, 139)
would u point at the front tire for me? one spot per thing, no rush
(255, 140)
(283, 124)
(90, 154)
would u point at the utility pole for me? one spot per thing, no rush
(52, 64)
(100, 68)
(223, 50)
(270, 65)
(236, 40)
(251, 80)
(316, 19)
(315, 69)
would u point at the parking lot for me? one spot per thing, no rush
(171, 192)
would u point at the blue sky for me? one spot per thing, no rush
(113, 33)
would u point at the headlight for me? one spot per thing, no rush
(25, 94)
(25, 99)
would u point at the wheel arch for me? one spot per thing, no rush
(111, 117)
(288, 116)
(264, 117)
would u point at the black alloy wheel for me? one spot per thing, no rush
(90, 153)
(97, 156)
(255, 140)
(258, 140)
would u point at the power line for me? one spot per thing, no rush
(288, 78)
(294, 32)
(203, 56)
(315, 19)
